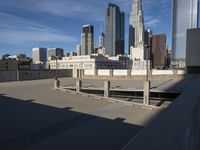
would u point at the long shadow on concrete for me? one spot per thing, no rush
(29, 125)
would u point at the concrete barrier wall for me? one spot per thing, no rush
(181, 72)
(120, 72)
(7, 76)
(138, 72)
(162, 72)
(103, 72)
(89, 72)
(176, 128)
(134, 74)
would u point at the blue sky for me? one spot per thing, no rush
(25, 24)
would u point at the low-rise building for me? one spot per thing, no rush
(91, 62)
(16, 62)
(39, 55)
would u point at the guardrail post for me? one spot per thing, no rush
(106, 89)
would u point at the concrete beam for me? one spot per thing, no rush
(106, 89)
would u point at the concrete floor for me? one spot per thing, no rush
(34, 116)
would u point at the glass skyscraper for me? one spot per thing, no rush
(185, 16)
(115, 30)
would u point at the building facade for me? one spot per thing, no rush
(136, 28)
(148, 34)
(115, 30)
(193, 50)
(78, 49)
(55, 52)
(87, 40)
(159, 51)
(39, 55)
(185, 16)
(92, 62)
(16, 62)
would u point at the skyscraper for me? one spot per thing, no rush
(102, 40)
(39, 55)
(55, 52)
(185, 16)
(136, 28)
(115, 30)
(159, 50)
(78, 50)
(148, 43)
(87, 40)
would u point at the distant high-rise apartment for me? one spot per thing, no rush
(185, 16)
(87, 40)
(39, 55)
(102, 40)
(78, 50)
(136, 28)
(115, 30)
(148, 44)
(56, 52)
(159, 50)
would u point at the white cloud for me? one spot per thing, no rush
(152, 22)
(16, 30)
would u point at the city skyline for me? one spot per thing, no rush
(25, 25)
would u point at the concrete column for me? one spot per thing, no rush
(129, 73)
(175, 72)
(81, 73)
(111, 72)
(96, 72)
(78, 86)
(56, 84)
(106, 89)
(146, 100)
(17, 75)
(150, 74)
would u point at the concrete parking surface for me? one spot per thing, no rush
(34, 116)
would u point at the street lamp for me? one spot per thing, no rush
(57, 82)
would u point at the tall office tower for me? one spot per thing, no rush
(159, 50)
(115, 30)
(87, 40)
(78, 50)
(136, 28)
(39, 55)
(56, 52)
(102, 40)
(185, 16)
